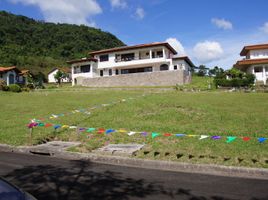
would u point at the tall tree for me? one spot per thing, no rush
(202, 70)
(216, 71)
(59, 76)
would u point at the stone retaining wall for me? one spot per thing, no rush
(161, 78)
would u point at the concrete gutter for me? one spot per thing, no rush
(218, 170)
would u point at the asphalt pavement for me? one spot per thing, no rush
(53, 178)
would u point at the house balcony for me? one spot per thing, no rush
(127, 59)
(132, 62)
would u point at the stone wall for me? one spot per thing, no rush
(161, 78)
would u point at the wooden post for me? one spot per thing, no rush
(31, 136)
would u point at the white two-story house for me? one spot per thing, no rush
(132, 65)
(255, 61)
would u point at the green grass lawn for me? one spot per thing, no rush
(207, 113)
(200, 83)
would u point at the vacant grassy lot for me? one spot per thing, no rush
(207, 113)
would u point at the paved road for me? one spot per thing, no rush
(50, 178)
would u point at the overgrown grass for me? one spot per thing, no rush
(208, 113)
(199, 83)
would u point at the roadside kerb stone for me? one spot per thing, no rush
(218, 170)
(119, 149)
(170, 165)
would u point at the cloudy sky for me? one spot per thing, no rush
(211, 32)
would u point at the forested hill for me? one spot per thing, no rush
(41, 46)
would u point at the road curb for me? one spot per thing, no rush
(219, 170)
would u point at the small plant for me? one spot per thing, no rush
(178, 87)
(14, 88)
(3, 85)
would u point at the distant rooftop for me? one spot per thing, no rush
(252, 47)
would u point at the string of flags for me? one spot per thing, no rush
(103, 131)
(87, 110)
(41, 123)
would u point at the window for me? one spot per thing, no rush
(85, 68)
(116, 72)
(257, 69)
(256, 54)
(164, 67)
(110, 72)
(159, 54)
(127, 57)
(175, 67)
(101, 72)
(136, 70)
(76, 70)
(104, 58)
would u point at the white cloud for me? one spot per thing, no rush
(176, 45)
(118, 4)
(264, 28)
(207, 51)
(140, 13)
(222, 23)
(66, 11)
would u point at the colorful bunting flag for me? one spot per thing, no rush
(261, 140)
(31, 125)
(41, 124)
(154, 134)
(72, 127)
(65, 126)
(57, 126)
(192, 135)
(89, 130)
(131, 133)
(101, 130)
(180, 135)
(144, 133)
(230, 139)
(246, 139)
(216, 137)
(48, 125)
(167, 134)
(82, 129)
(110, 131)
(203, 137)
(122, 131)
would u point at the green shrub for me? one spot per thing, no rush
(246, 81)
(26, 89)
(3, 84)
(5, 88)
(14, 88)
(30, 86)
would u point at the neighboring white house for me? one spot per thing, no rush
(129, 60)
(10, 75)
(53, 72)
(255, 61)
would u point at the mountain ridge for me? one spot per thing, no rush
(40, 46)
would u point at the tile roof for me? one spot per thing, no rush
(186, 58)
(63, 69)
(124, 48)
(82, 60)
(252, 47)
(245, 63)
(6, 69)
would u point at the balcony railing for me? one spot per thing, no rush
(134, 58)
